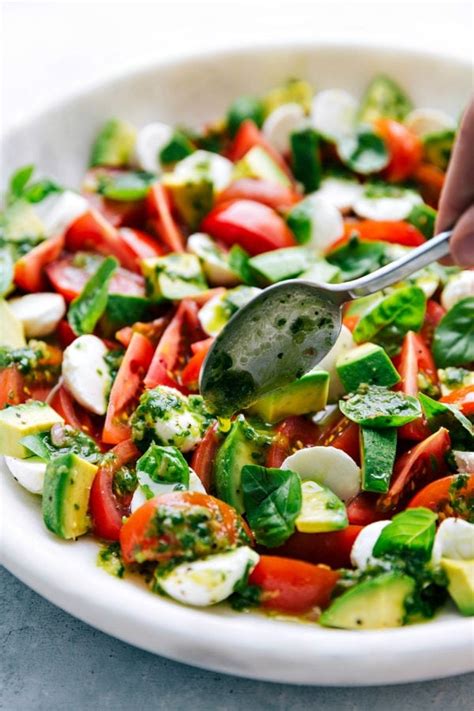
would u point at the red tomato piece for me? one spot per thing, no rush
(141, 540)
(332, 548)
(12, 387)
(248, 136)
(274, 195)
(463, 398)
(362, 509)
(433, 315)
(382, 231)
(65, 333)
(255, 227)
(293, 586)
(92, 232)
(126, 389)
(291, 434)
(404, 146)
(447, 497)
(106, 509)
(192, 369)
(424, 463)
(29, 269)
(416, 362)
(159, 210)
(204, 455)
(141, 243)
(430, 181)
(341, 433)
(72, 413)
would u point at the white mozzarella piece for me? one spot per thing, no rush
(214, 265)
(327, 224)
(458, 287)
(86, 374)
(327, 466)
(59, 210)
(425, 121)
(387, 208)
(340, 192)
(280, 123)
(208, 165)
(454, 539)
(464, 461)
(181, 427)
(363, 546)
(343, 343)
(151, 140)
(209, 580)
(333, 113)
(27, 472)
(39, 313)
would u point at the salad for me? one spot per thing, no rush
(344, 498)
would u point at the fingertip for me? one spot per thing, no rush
(462, 241)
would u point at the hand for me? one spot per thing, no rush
(456, 207)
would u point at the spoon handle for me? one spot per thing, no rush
(400, 269)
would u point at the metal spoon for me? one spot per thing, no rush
(288, 328)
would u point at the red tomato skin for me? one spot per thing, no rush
(430, 181)
(72, 413)
(161, 218)
(362, 509)
(255, 227)
(248, 136)
(271, 194)
(463, 398)
(29, 269)
(92, 232)
(415, 359)
(404, 146)
(126, 387)
(105, 509)
(293, 586)
(332, 548)
(12, 387)
(141, 243)
(434, 314)
(381, 231)
(341, 434)
(419, 466)
(192, 369)
(204, 455)
(290, 434)
(437, 496)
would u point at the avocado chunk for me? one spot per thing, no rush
(437, 147)
(114, 145)
(460, 583)
(258, 164)
(372, 604)
(19, 221)
(305, 395)
(192, 197)
(21, 420)
(384, 99)
(173, 277)
(294, 91)
(67, 484)
(366, 364)
(321, 510)
(12, 334)
(377, 452)
(243, 445)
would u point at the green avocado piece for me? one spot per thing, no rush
(258, 164)
(384, 99)
(192, 197)
(367, 364)
(305, 395)
(173, 277)
(372, 604)
(19, 221)
(242, 446)
(12, 334)
(460, 583)
(67, 484)
(114, 144)
(294, 91)
(321, 510)
(21, 420)
(437, 147)
(377, 452)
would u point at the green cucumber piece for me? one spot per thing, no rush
(282, 264)
(305, 158)
(366, 364)
(378, 449)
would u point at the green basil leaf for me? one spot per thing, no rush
(164, 465)
(453, 340)
(364, 152)
(376, 406)
(243, 109)
(390, 318)
(357, 258)
(91, 303)
(272, 500)
(19, 180)
(125, 187)
(36, 445)
(440, 414)
(6, 270)
(68, 440)
(178, 148)
(412, 531)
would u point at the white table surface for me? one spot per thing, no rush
(49, 50)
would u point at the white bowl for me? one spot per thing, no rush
(192, 91)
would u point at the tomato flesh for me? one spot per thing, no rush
(449, 496)
(274, 195)
(404, 146)
(332, 548)
(463, 398)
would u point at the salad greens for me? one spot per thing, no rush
(412, 531)
(88, 307)
(453, 341)
(376, 406)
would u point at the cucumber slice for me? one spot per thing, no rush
(333, 114)
(321, 510)
(378, 449)
(282, 264)
(367, 364)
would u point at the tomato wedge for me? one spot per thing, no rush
(142, 539)
(382, 231)
(202, 461)
(92, 232)
(12, 386)
(450, 496)
(332, 548)
(430, 181)
(141, 244)
(192, 369)
(248, 136)
(362, 509)
(293, 586)
(68, 276)
(416, 362)
(341, 433)
(425, 462)
(72, 413)
(274, 195)
(126, 388)
(29, 269)
(404, 146)
(105, 508)
(463, 398)
(255, 227)
(161, 218)
(291, 434)
(433, 315)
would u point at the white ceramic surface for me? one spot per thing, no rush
(192, 91)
